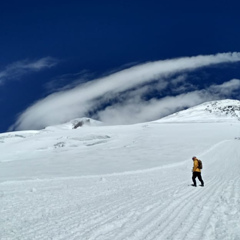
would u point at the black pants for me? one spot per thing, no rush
(199, 176)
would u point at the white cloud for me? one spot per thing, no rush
(18, 69)
(226, 88)
(126, 88)
(135, 110)
(68, 81)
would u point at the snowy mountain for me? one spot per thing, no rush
(84, 180)
(76, 123)
(214, 111)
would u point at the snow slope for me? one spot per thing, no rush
(121, 182)
(215, 111)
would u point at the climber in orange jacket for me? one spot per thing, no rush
(196, 172)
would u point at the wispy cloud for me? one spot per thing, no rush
(16, 70)
(68, 81)
(227, 88)
(125, 94)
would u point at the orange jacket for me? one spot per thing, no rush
(195, 166)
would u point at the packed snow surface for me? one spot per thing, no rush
(121, 182)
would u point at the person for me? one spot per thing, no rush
(196, 173)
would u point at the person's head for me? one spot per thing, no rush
(193, 158)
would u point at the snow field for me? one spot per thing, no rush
(133, 186)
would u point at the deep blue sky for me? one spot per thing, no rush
(100, 36)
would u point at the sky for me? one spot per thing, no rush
(120, 62)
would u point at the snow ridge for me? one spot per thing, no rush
(229, 108)
(75, 123)
(214, 111)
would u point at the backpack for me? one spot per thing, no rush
(200, 164)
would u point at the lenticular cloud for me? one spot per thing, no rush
(63, 106)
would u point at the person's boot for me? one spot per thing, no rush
(193, 185)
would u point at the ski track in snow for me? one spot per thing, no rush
(147, 205)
